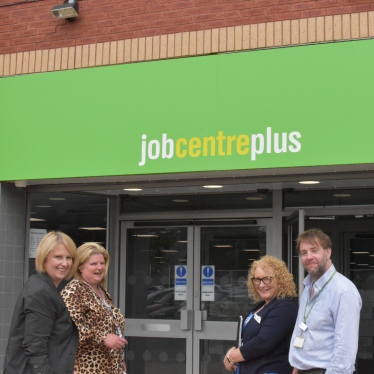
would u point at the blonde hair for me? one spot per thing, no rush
(48, 244)
(283, 279)
(85, 251)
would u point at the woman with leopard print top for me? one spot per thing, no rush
(100, 323)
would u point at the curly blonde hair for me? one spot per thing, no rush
(283, 279)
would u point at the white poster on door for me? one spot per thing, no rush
(180, 287)
(207, 283)
(36, 236)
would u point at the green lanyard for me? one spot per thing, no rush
(305, 318)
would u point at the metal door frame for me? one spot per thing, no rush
(209, 329)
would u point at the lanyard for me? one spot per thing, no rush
(247, 320)
(119, 332)
(305, 318)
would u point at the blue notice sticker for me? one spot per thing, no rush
(181, 271)
(208, 282)
(208, 271)
(181, 282)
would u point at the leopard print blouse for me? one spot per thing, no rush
(94, 322)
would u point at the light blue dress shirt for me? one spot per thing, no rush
(331, 339)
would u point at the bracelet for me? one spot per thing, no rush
(228, 357)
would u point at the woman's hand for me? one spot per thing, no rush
(228, 366)
(113, 341)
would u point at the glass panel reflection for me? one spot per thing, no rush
(212, 353)
(361, 250)
(156, 355)
(152, 254)
(231, 250)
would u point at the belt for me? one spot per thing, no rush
(313, 371)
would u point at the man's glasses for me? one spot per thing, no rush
(265, 280)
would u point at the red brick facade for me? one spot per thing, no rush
(31, 26)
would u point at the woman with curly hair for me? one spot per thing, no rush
(268, 328)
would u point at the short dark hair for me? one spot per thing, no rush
(314, 236)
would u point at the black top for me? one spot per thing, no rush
(266, 344)
(42, 339)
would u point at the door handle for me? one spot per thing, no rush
(186, 319)
(200, 315)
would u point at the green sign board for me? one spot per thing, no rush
(286, 107)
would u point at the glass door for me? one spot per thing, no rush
(228, 251)
(182, 288)
(156, 274)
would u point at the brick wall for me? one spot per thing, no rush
(31, 26)
(12, 254)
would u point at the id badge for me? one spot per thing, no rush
(299, 342)
(257, 318)
(303, 326)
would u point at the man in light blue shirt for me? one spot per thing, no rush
(325, 338)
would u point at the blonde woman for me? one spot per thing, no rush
(100, 323)
(43, 339)
(267, 330)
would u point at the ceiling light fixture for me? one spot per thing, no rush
(36, 219)
(132, 189)
(359, 216)
(362, 264)
(212, 186)
(181, 241)
(169, 251)
(309, 182)
(251, 250)
(68, 10)
(43, 206)
(254, 198)
(180, 201)
(92, 228)
(361, 253)
(342, 195)
(146, 236)
(57, 198)
(223, 246)
(326, 218)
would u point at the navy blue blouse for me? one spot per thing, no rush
(266, 345)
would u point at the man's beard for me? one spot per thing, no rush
(321, 268)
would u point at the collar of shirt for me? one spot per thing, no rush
(308, 281)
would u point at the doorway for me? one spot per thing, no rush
(183, 286)
(352, 238)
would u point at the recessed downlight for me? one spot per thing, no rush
(37, 219)
(180, 201)
(254, 198)
(359, 216)
(212, 186)
(181, 241)
(251, 250)
(132, 189)
(342, 195)
(223, 246)
(309, 182)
